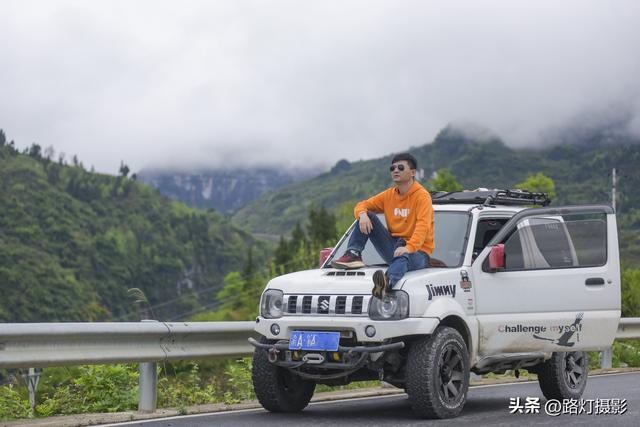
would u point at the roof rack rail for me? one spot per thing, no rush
(483, 196)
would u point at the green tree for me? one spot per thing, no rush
(124, 170)
(344, 216)
(3, 138)
(539, 182)
(445, 181)
(249, 270)
(238, 297)
(282, 254)
(298, 238)
(35, 151)
(321, 228)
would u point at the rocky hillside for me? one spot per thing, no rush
(223, 190)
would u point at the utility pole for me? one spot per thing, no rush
(607, 354)
(613, 189)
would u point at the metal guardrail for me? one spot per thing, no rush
(31, 345)
(57, 344)
(39, 345)
(628, 328)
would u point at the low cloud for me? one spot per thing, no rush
(306, 83)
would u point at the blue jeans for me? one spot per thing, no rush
(386, 244)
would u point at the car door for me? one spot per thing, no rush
(559, 286)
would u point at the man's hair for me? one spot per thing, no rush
(413, 163)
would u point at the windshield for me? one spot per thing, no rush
(450, 229)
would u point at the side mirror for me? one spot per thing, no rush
(496, 258)
(324, 254)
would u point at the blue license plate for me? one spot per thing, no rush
(311, 340)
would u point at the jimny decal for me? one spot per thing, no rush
(441, 290)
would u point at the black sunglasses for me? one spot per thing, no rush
(393, 167)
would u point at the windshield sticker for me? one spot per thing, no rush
(444, 290)
(465, 283)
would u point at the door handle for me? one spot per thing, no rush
(594, 281)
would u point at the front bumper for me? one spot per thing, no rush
(350, 359)
(385, 330)
(274, 349)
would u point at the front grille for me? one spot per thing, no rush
(326, 305)
(323, 304)
(291, 304)
(356, 305)
(306, 304)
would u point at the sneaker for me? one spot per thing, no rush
(380, 284)
(350, 259)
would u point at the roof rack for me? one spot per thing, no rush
(483, 196)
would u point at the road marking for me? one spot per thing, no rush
(353, 399)
(182, 417)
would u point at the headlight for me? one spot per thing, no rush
(394, 306)
(271, 304)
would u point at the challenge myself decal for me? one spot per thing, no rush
(566, 331)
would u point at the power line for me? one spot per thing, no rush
(203, 291)
(216, 287)
(212, 306)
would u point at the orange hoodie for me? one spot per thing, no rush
(409, 217)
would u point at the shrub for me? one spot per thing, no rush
(185, 389)
(102, 388)
(12, 405)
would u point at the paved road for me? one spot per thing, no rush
(486, 405)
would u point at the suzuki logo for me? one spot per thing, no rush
(324, 305)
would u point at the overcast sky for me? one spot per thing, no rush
(302, 83)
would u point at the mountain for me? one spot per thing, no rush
(224, 190)
(581, 169)
(73, 242)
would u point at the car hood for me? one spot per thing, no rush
(334, 282)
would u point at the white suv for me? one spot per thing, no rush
(509, 287)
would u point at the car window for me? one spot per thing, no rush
(578, 240)
(485, 230)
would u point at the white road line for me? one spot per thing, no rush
(353, 399)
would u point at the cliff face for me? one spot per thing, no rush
(225, 191)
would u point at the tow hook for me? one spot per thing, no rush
(273, 354)
(313, 358)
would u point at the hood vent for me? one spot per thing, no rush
(345, 273)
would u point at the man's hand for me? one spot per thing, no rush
(400, 251)
(365, 223)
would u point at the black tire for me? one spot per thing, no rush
(438, 374)
(564, 376)
(277, 389)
